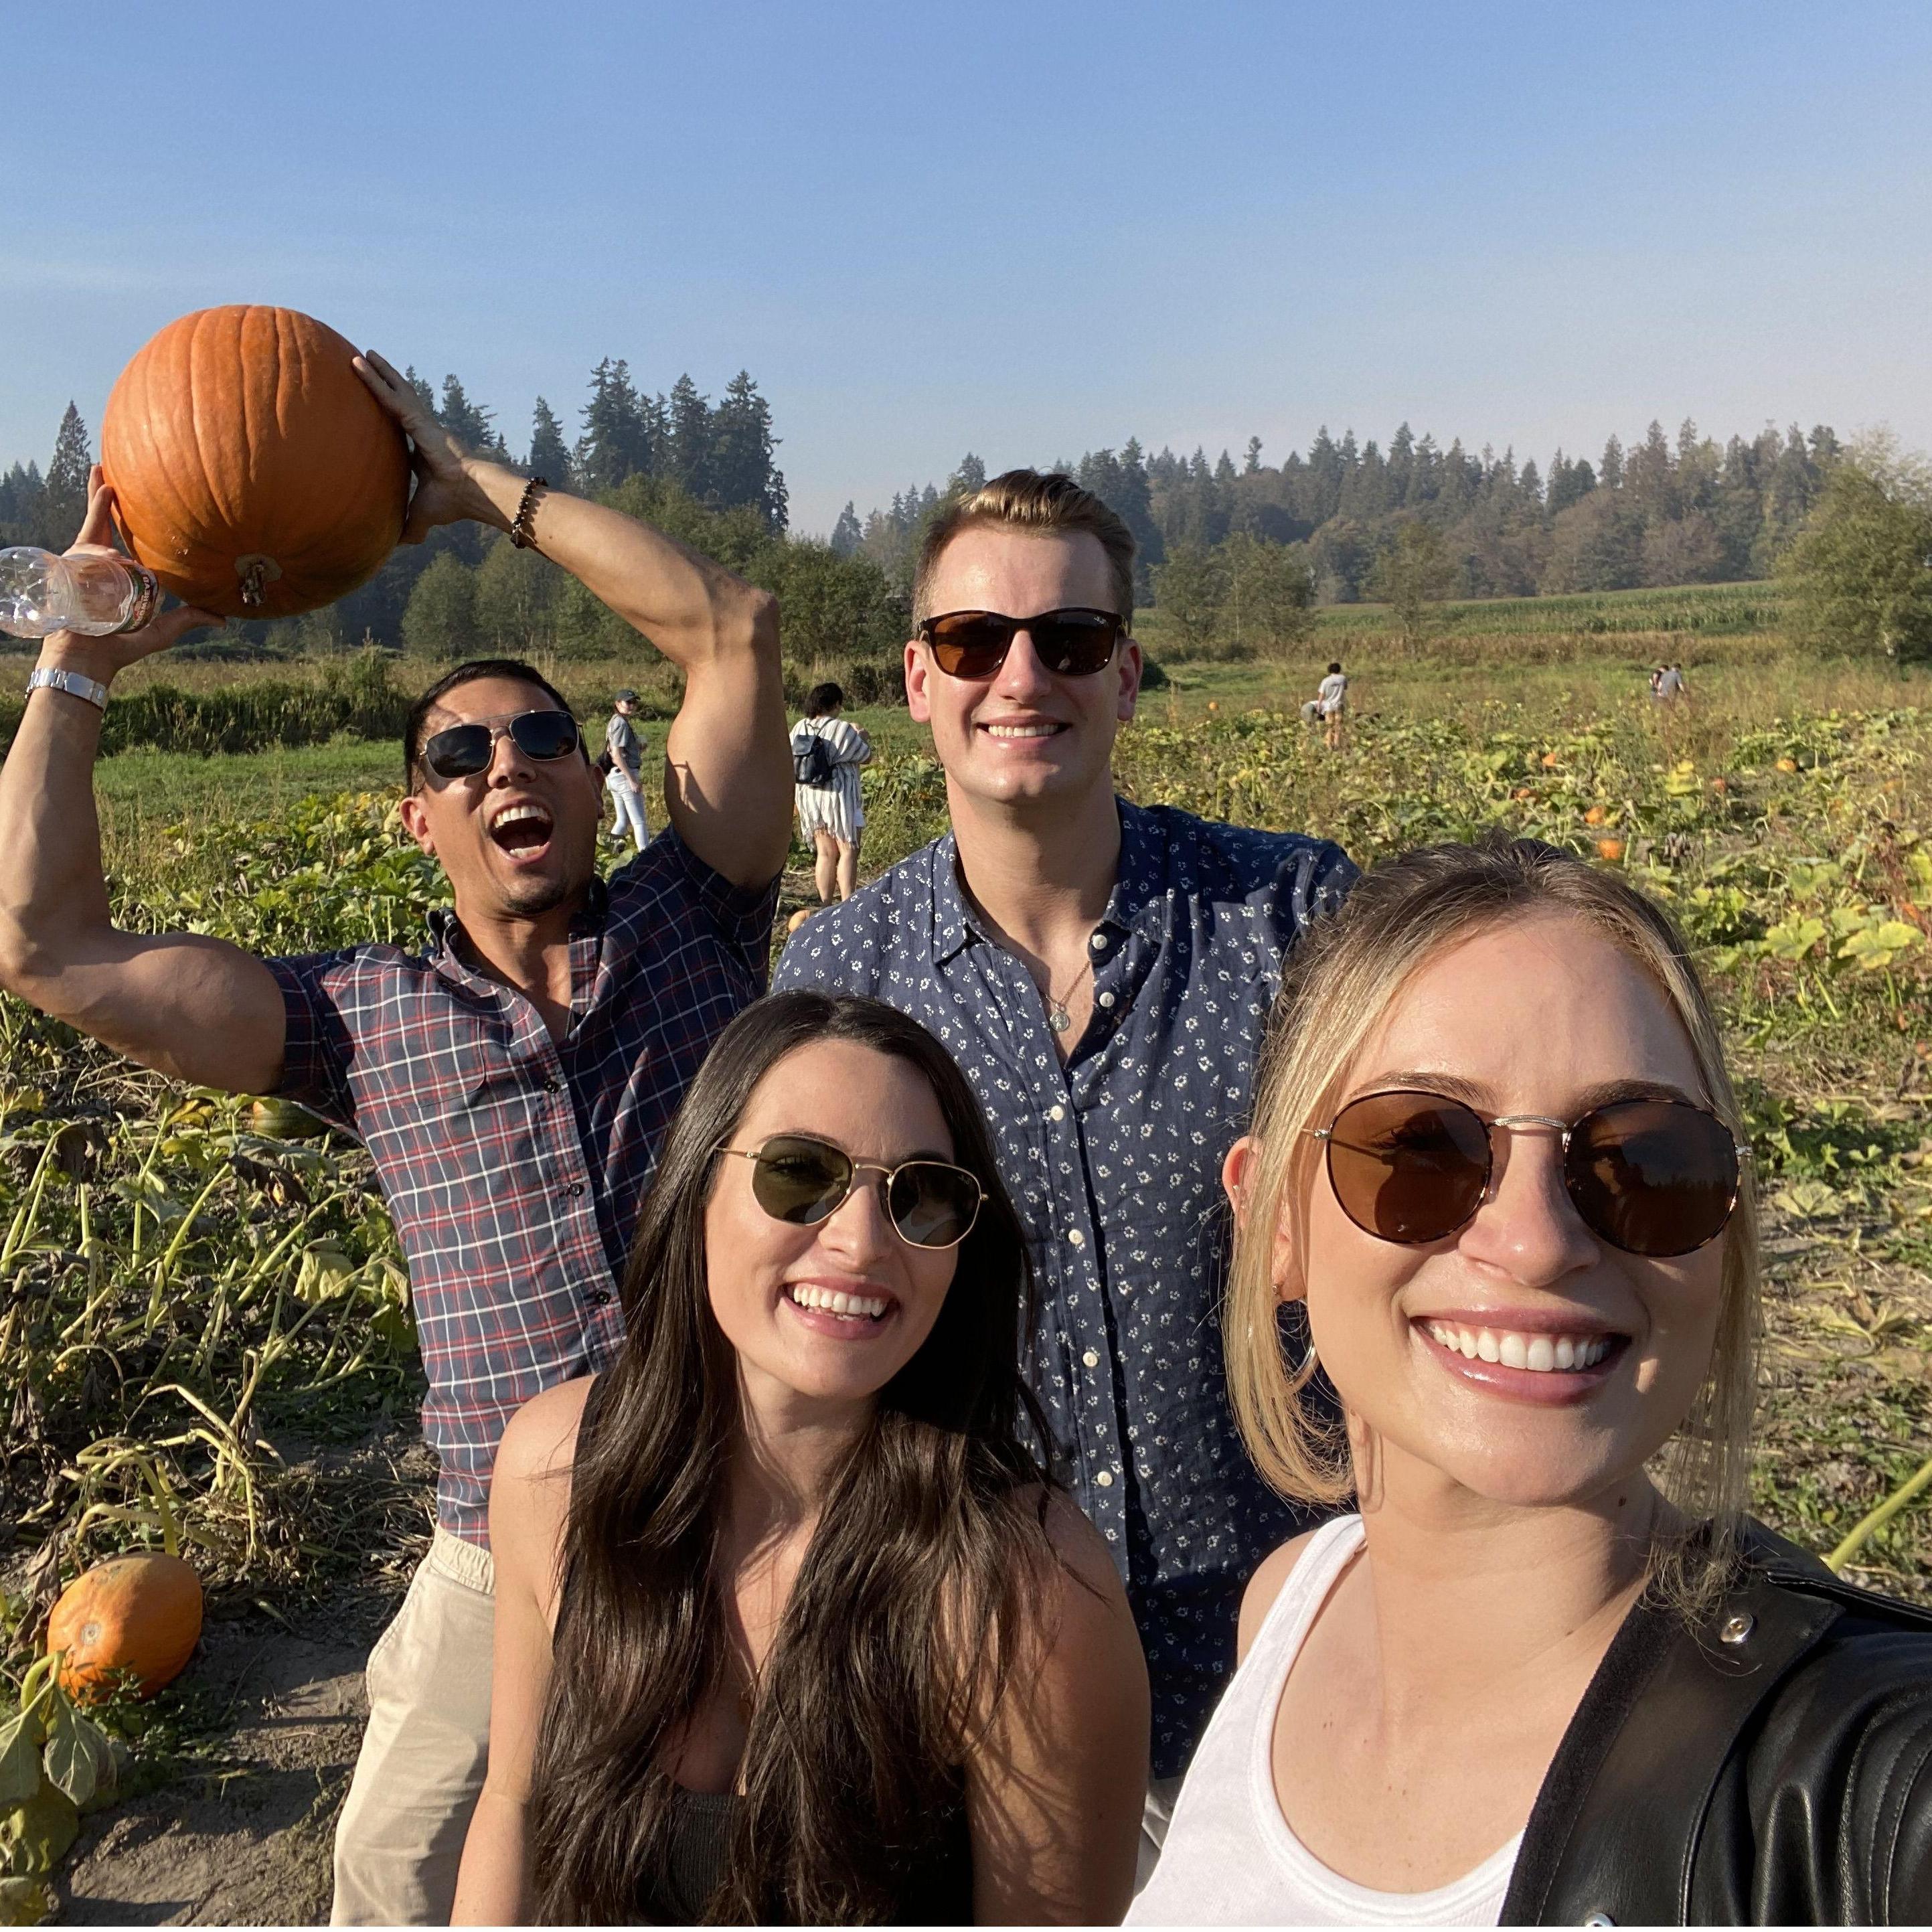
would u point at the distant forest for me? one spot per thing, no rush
(1690, 511)
(1335, 525)
(705, 470)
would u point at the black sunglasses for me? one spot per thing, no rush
(464, 750)
(1073, 643)
(796, 1178)
(1653, 1177)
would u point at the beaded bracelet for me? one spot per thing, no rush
(520, 524)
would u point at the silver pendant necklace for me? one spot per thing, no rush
(1057, 1017)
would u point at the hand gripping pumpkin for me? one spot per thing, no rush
(255, 475)
(138, 1614)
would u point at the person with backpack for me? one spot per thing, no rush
(826, 751)
(623, 762)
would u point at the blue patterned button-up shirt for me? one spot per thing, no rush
(1114, 1160)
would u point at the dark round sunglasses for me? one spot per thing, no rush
(1653, 1177)
(794, 1177)
(1073, 643)
(464, 750)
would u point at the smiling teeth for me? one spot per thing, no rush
(516, 814)
(1540, 1353)
(1022, 731)
(806, 1294)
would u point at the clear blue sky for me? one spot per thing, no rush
(1024, 229)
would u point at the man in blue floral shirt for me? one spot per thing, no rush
(1102, 972)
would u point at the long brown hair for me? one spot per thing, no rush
(922, 1577)
(1339, 981)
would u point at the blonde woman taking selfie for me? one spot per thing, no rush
(1550, 1672)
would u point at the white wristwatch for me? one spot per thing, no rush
(72, 682)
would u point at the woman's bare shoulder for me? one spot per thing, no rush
(1082, 1550)
(1264, 1586)
(540, 1438)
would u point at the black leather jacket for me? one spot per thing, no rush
(1774, 1767)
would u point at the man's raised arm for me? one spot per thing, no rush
(196, 1008)
(729, 788)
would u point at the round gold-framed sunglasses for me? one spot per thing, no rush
(799, 1178)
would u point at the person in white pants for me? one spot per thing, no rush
(625, 780)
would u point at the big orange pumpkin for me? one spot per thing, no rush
(139, 1614)
(255, 476)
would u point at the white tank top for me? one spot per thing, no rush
(1230, 1858)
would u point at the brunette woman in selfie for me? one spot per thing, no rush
(1549, 1672)
(790, 1625)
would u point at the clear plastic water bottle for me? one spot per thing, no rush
(40, 593)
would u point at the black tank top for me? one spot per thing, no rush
(938, 1891)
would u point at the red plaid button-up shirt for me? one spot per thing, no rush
(513, 1164)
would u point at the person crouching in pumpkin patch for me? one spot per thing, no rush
(511, 1080)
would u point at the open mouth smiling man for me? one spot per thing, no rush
(511, 1082)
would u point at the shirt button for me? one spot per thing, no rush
(1056, 1112)
(553, 1085)
(1092, 1360)
(600, 1297)
(1075, 1238)
(1106, 999)
(1105, 1479)
(1099, 942)
(575, 1188)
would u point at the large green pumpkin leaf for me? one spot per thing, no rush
(34, 1837)
(73, 1759)
(20, 1760)
(24, 1901)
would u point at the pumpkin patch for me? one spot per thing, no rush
(254, 474)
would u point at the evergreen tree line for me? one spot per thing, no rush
(1662, 512)
(704, 472)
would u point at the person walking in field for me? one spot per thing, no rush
(1331, 700)
(510, 1081)
(826, 752)
(625, 780)
(1102, 971)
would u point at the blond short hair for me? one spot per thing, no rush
(1041, 504)
(1341, 979)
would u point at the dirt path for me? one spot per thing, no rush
(239, 1833)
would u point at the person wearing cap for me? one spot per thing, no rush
(625, 780)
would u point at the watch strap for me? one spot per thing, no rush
(74, 682)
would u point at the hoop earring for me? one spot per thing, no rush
(1303, 1375)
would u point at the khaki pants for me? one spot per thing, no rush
(400, 1838)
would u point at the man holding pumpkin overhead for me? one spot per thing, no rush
(511, 1081)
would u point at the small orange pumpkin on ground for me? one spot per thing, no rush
(254, 474)
(139, 1614)
(1720, 784)
(1595, 815)
(1612, 849)
(797, 920)
(1550, 761)
(1787, 764)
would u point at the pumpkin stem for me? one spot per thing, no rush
(256, 570)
